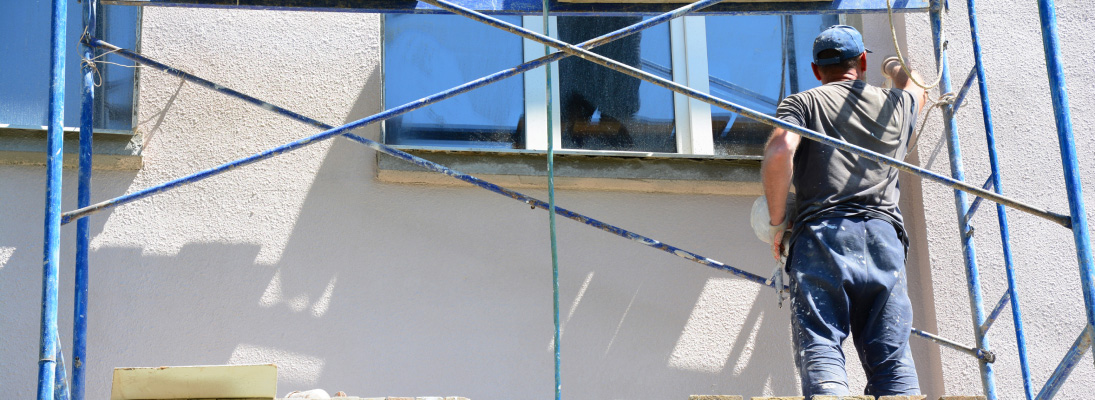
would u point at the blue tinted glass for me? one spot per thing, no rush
(605, 110)
(755, 61)
(24, 65)
(425, 54)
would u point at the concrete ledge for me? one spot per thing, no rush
(111, 150)
(641, 172)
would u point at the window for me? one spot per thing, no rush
(24, 85)
(24, 68)
(750, 60)
(774, 63)
(449, 50)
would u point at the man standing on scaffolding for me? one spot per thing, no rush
(846, 258)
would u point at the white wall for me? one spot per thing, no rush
(375, 289)
(383, 289)
(1044, 255)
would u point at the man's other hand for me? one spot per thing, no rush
(777, 233)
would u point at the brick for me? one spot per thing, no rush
(714, 397)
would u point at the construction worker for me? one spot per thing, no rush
(846, 259)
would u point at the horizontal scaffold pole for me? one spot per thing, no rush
(535, 7)
(587, 55)
(982, 354)
(435, 167)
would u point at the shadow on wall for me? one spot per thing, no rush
(409, 290)
(22, 215)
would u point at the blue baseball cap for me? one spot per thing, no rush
(842, 38)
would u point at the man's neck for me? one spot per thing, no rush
(850, 75)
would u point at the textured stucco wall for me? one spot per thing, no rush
(375, 289)
(385, 289)
(1043, 252)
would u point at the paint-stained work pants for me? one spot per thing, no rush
(848, 277)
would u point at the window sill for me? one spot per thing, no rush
(111, 149)
(582, 170)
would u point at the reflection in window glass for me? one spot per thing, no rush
(426, 54)
(756, 61)
(603, 109)
(24, 65)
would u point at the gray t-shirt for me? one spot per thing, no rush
(831, 182)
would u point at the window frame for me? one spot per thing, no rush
(112, 149)
(692, 117)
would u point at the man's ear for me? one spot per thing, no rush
(817, 72)
(863, 64)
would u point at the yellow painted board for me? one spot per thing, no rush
(196, 382)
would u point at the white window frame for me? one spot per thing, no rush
(692, 117)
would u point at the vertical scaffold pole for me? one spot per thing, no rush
(1048, 14)
(87, 124)
(558, 334)
(47, 346)
(1001, 213)
(950, 126)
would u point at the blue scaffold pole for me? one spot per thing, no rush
(1048, 15)
(1001, 212)
(1071, 359)
(87, 124)
(47, 345)
(961, 205)
(60, 378)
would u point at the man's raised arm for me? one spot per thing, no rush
(891, 67)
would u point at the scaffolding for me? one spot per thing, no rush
(52, 379)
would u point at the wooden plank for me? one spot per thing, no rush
(196, 382)
(533, 7)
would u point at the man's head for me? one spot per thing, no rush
(839, 54)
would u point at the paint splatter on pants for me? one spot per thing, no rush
(848, 277)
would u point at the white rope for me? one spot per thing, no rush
(901, 59)
(944, 100)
